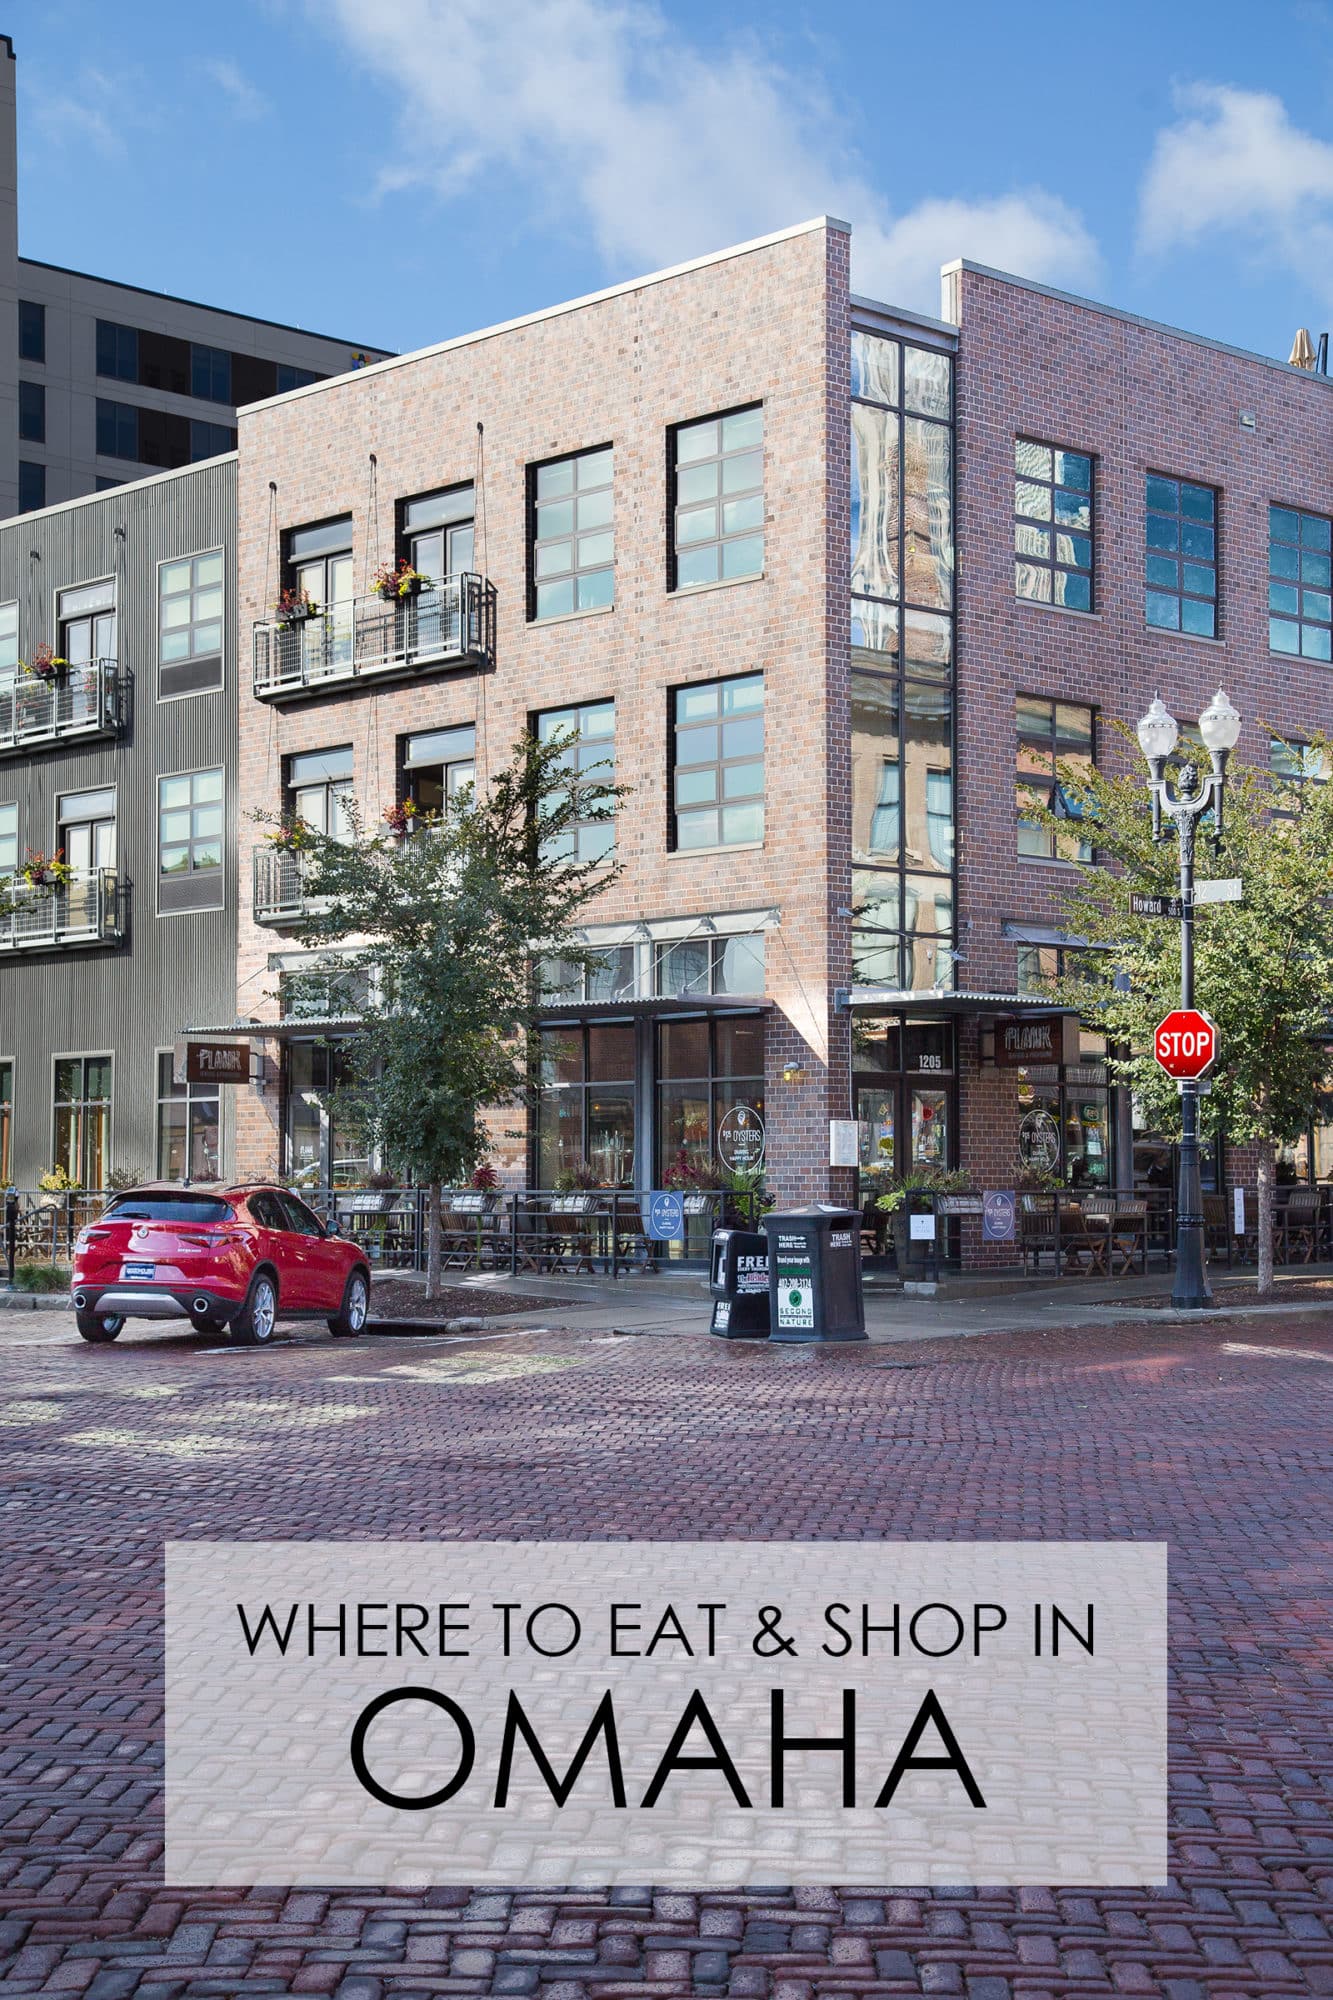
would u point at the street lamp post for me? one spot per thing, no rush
(1198, 792)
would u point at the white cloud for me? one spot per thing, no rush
(1234, 163)
(662, 148)
(83, 109)
(247, 102)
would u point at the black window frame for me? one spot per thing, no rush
(1051, 741)
(1178, 556)
(535, 500)
(1051, 563)
(720, 764)
(593, 757)
(1313, 550)
(673, 469)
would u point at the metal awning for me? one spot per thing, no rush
(665, 1007)
(925, 1002)
(271, 1031)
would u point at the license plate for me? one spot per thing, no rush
(137, 1270)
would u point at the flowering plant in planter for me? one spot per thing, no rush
(484, 1178)
(48, 872)
(399, 819)
(45, 664)
(293, 608)
(395, 582)
(292, 836)
(687, 1176)
(575, 1180)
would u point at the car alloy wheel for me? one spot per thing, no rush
(263, 1309)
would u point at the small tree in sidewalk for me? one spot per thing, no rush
(1263, 967)
(445, 924)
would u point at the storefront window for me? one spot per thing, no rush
(188, 1124)
(585, 1109)
(326, 1142)
(1064, 1124)
(83, 1118)
(905, 1104)
(704, 1068)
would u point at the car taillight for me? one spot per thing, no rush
(87, 1236)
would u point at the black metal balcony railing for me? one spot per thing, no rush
(369, 638)
(81, 701)
(280, 886)
(88, 910)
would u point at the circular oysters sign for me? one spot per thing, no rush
(1039, 1141)
(740, 1139)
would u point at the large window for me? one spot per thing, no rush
(1300, 607)
(585, 1112)
(32, 330)
(591, 758)
(32, 486)
(571, 542)
(1051, 733)
(188, 1127)
(319, 790)
(117, 429)
(32, 412)
(436, 765)
(717, 763)
(210, 373)
(683, 968)
(325, 1141)
(189, 610)
(82, 1123)
(1053, 525)
(1180, 556)
(117, 351)
(717, 501)
(704, 1068)
(189, 841)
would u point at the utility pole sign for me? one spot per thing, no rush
(1141, 905)
(1185, 1044)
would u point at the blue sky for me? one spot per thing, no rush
(396, 171)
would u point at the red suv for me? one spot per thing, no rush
(234, 1257)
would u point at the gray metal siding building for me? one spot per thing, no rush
(112, 965)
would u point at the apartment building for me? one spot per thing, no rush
(102, 382)
(117, 825)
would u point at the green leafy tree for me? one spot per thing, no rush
(445, 918)
(1263, 967)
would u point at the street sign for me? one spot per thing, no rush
(1226, 889)
(666, 1217)
(1185, 1043)
(1155, 906)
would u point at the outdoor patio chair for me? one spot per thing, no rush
(1037, 1231)
(1301, 1225)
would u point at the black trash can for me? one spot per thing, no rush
(814, 1274)
(739, 1284)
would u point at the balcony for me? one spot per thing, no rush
(280, 887)
(84, 701)
(369, 639)
(88, 910)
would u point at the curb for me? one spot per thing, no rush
(34, 1301)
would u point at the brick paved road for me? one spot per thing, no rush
(1215, 1440)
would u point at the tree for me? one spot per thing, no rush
(446, 917)
(1263, 966)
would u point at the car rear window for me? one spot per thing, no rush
(194, 1208)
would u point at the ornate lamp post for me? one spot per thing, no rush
(1198, 793)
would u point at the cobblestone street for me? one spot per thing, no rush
(1212, 1437)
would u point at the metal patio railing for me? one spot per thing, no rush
(370, 637)
(80, 701)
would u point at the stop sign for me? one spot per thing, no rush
(1185, 1043)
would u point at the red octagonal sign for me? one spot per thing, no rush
(1185, 1043)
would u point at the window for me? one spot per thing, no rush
(1053, 525)
(319, 790)
(32, 330)
(210, 373)
(1180, 556)
(717, 500)
(687, 966)
(117, 429)
(436, 765)
(188, 1127)
(32, 412)
(189, 841)
(571, 543)
(717, 763)
(86, 831)
(189, 623)
(9, 839)
(591, 757)
(82, 1122)
(1300, 608)
(117, 351)
(901, 474)
(86, 617)
(6, 1122)
(32, 486)
(1292, 765)
(210, 440)
(705, 1068)
(585, 1106)
(294, 378)
(9, 641)
(1051, 733)
(324, 1137)
(318, 560)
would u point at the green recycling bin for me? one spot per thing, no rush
(814, 1273)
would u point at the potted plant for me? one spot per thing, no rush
(293, 609)
(47, 874)
(397, 582)
(913, 1193)
(746, 1197)
(402, 818)
(45, 665)
(292, 836)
